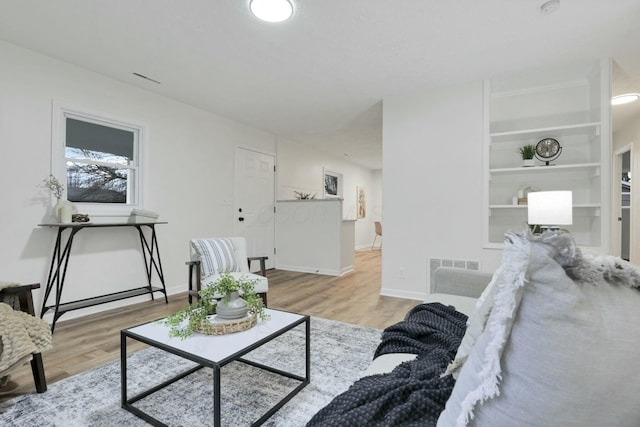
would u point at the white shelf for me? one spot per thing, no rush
(578, 115)
(577, 205)
(556, 130)
(544, 169)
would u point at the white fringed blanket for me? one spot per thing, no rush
(20, 335)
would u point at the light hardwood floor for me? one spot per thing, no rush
(90, 341)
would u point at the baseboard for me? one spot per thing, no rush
(346, 270)
(111, 305)
(420, 296)
(364, 247)
(323, 271)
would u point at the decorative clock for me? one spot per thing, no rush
(548, 149)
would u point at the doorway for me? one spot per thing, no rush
(255, 201)
(622, 203)
(625, 206)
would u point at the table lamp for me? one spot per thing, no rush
(549, 209)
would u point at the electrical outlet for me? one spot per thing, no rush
(402, 273)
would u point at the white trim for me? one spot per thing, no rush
(616, 201)
(339, 184)
(420, 296)
(323, 271)
(59, 113)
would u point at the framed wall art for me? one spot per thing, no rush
(332, 184)
(361, 202)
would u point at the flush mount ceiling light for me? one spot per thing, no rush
(271, 10)
(625, 98)
(550, 6)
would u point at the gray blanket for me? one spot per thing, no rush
(413, 394)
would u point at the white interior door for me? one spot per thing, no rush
(255, 203)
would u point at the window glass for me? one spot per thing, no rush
(101, 160)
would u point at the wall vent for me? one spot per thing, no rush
(434, 263)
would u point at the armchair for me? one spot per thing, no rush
(211, 256)
(22, 336)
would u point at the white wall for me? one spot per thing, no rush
(300, 168)
(187, 152)
(432, 185)
(375, 200)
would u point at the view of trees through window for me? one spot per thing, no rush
(101, 161)
(96, 181)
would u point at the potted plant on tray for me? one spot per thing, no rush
(220, 297)
(528, 152)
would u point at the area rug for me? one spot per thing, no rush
(340, 352)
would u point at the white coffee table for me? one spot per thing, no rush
(214, 351)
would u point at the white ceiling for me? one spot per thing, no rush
(320, 77)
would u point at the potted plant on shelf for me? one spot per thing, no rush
(222, 298)
(300, 195)
(528, 152)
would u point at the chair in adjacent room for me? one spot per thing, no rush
(212, 256)
(23, 337)
(378, 229)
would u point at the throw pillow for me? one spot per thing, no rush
(560, 345)
(476, 322)
(216, 255)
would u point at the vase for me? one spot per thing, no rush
(232, 307)
(528, 163)
(63, 210)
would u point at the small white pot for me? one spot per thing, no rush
(528, 162)
(63, 211)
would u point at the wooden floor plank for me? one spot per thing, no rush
(90, 341)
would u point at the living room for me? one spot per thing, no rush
(432, 137)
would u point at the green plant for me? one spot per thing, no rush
(54, 186)
(194, 317)
(527, 151)
(304, 196)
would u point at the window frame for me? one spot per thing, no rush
(59, 159)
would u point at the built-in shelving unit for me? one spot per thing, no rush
(570, 105)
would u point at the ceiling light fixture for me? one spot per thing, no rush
(271, 10)
(625, 98)
(550, 6)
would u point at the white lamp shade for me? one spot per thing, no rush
(550, 207)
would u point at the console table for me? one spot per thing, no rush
(60, 262)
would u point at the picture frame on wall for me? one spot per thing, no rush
(332, 183)
(361, 202)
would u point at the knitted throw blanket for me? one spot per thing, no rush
(413, 394)
(20, 335)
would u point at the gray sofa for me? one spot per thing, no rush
(449, 286)
(551, 341)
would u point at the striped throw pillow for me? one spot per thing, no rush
(216, 255)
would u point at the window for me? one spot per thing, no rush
(100, 163)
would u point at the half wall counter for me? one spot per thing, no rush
(312, 237)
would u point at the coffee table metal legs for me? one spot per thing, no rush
(127, 402)
(216, 397)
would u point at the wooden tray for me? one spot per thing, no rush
(222, 327)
